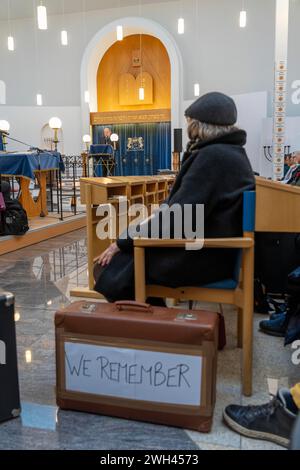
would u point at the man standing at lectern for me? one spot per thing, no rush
(105, 140)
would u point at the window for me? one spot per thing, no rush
(2, 92)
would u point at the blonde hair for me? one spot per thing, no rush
(202, 131)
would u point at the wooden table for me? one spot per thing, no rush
(26, 167)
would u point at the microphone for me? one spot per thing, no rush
(37, 149)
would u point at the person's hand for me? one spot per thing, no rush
(105, 258)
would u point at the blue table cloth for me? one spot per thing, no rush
(26, 163)
(101, 150)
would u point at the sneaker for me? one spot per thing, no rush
(271, 422)
(275, 326)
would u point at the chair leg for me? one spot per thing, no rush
(139, 273)
(247, 350)
(248, 321)
(191, 304)
(240, 314)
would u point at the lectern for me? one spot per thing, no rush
(95, 192)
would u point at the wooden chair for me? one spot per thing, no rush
(237, 291)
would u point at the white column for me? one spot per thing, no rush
(280, 86)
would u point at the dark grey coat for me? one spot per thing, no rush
(214, 173)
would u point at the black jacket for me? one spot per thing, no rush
(215, 173)
(105, 141)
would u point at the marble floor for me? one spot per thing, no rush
(41, 278)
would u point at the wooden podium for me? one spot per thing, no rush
(95, 192)
(277, 207)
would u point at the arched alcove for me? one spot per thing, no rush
(126, 66)
(104, 39)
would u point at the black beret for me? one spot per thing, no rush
(214, 108)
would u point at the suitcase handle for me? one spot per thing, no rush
(133, 306)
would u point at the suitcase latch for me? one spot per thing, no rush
(88, 308)
(187, 316)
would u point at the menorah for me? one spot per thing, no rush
(268, 152)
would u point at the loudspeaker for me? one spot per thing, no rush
(178, 140)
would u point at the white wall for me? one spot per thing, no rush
(27, 123)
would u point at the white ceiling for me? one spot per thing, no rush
(25, 8)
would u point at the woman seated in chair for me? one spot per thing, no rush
(215, 172)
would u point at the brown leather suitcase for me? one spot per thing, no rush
(138, 362)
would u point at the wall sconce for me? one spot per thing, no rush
(87, 140)
(114, 138)
(4, 131)
(55, 124)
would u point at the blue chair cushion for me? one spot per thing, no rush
(227, 284)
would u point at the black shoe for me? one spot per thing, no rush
(276, 326)
(271, 422)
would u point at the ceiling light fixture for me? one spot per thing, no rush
(42, 17)
(120, 33)
(141, 93)
(64, 33)
(180, 25)
(196, 89)
(10, 39)
(87, 96)
(243, 19)
(39, 99)
(10, 43)
(64, 38)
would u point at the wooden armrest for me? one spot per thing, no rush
(208, 243)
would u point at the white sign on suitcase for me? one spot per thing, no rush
(133, 374)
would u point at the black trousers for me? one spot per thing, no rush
(98, 272)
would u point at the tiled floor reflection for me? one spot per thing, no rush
(41, 278)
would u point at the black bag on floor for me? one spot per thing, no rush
(276, 255)
(294, 278)
(5, 190)
(293, 329)
(293, 308)
(14, 219)
(9, 382)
